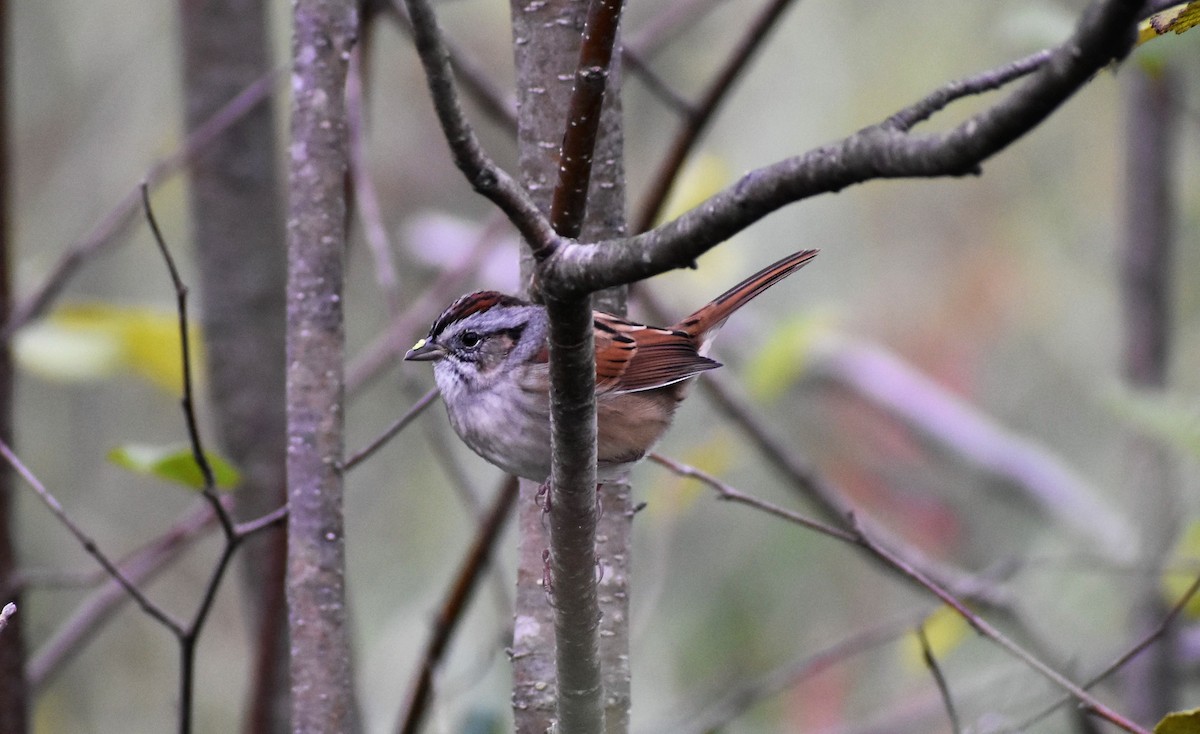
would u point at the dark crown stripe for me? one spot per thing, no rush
(470, 304)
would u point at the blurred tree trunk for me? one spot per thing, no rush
(1151, 679)
(239, 241)
(546, 40)
(13, 691)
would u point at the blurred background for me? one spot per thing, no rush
(952, 361)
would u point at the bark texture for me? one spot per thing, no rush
(322, 690)
(238, 232)
(546, 42)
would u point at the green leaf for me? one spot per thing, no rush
(1180, 722)
(173, 463)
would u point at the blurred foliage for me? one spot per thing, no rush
(1002, 288)
(84, 342)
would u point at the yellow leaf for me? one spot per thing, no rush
(1179, 722)
(1183, 569)
(784, 356)
(945, 629)
(1175, 19)
(92, 341)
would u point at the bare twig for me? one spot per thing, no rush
(454, 606)
(716, 715)
(89, 545)
(473, 78)
(1149, 639)
(858, 536)
(696, 122)
(123, 214)
(480, 170)
(390, 432)
(139, 567)
(938, 678)
(728, 492)
(879, 151)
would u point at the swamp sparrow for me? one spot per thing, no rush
(491, 364)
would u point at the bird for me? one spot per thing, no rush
(490, 355)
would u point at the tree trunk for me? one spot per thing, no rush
(239, 243)
(546, 40)
(322, 684)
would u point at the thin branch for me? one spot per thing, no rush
(89, 545)
(390, 432)
(936, 101)
(938, 678)
(727, 492)
(696, 122)
(569, 204)
(139, 567)
(858, 536)
(189, 406)
(1146, 641)
(480, 170)
(985, 628)
(877, 152)
(729, 705)
(454, 606)
(122, 215)
(471, 76)
(366, 198)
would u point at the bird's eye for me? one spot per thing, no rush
(470, 339)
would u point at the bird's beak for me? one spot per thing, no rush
(425, 351)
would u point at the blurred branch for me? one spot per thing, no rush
(454, 606)
(940, 680)
(885, 381)
(470, 75)
(123, 214)
(858, 535)
(390, 432)
(1160, 630)
(1146, 280)
(139, 567)
(366, 198)
(697, 118)
(1104, 33)
(719, 711)
(89, 545)
(481, 171)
